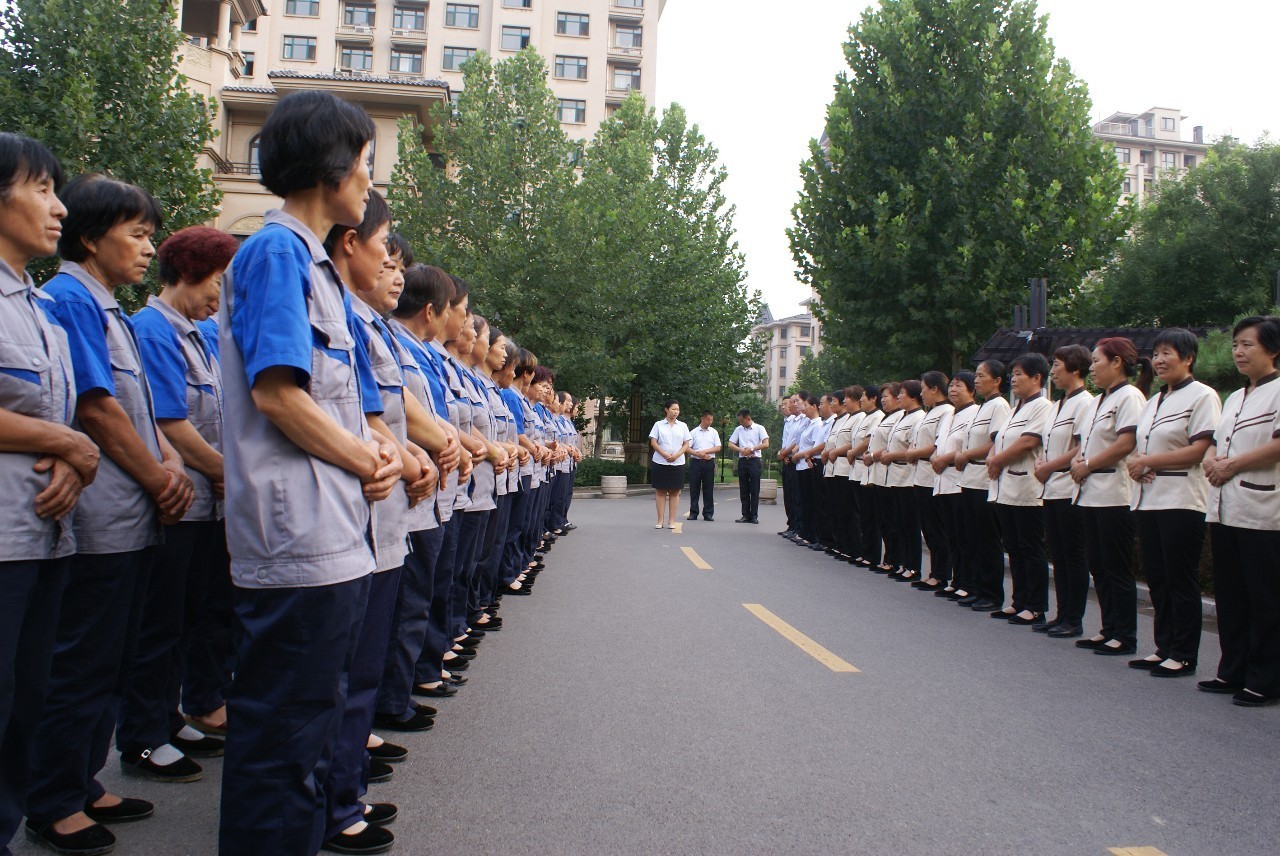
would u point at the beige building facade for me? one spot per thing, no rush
(397, 58)
(787, 342)
(1151, 147)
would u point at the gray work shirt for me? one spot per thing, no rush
(459, 413)
(293, 519)
(35, 380)
(424, 515)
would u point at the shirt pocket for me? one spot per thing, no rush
(24, 379)
(332, 361)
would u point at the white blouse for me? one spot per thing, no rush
(933, 426)
(1251, 500)
(952, 441)
(986, 424)
(1172, 420)
(839, 435)
(902, 473)
(846, 435)
(865, 430)
(1115, 412)
(878, 473)
(1070, 418)
(670, 438)
(1017, 483)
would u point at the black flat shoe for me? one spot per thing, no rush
(984, 605)
(966, 600)
(389, 753)
(205, 747)
(140, 766)
(1219, 686)
(380, 814)
(127, 810)
(1162, 671)
(1089, 644)
(1046, 627)
(380, 771)
(1000, 612)
(90, 841)
(1144, 663)
(1120, 650)
(1248, 698)
(1065, 631)
(520, 592)
(948, 593)
(371, 839)
(1037, 618)
(441, 691)
(416, 722)
(456, 680)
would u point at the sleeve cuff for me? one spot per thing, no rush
(1208, 435)
(1128, 429)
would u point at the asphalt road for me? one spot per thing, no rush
(634, 705)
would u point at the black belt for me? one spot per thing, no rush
(1107, 470)
(1182, 473)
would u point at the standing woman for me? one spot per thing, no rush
(946, 486)
(1174, 433)
(1063, 519)
(1105, 491)
(836, 473)
(985, 577)
(901, 481)
(669, 439)
(830, 511)
(868, 553)
(1244, 518)
(848, 534)
(878, 473)
(924, 445)
(1016, 493)
(809, 444)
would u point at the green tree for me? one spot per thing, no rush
(831, 368)
(958, 163)
(1207, 249)
(97, 82)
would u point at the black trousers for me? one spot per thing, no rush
(907, 518)
(790, 495)
(826, 507)
(887, 518)
(702, 481)
(1064, 528)
(985, 553)
(848, 535)
(937, 531)
(749, 488)
(1246, 573)
(809, 502)
(1108, 539)
(869, 521)
(1022, 527)
(1171, 544)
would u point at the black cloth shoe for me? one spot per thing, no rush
(380, 771)
(985, 604)
(388, 752)
(1036, 618)
(1089, 644)
(416, 722)
(1065, 631)
(1046, 627)
(205, 747)
(1217, 685)
(1115, 650)
(380, 814)
(127, 810)
(1162, 671)
(425, 709)
(140, 766)
(371, 839)
(1144, 663)
(456, 680)
(1248, 698)
(441, 691)
(90, 841)
(967, 600)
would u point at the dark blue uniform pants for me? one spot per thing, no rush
(29, 603)
(438, 640)
(474, 524)
(489, 565)
(513, 550)
(296, 649)
(209, 644)
(97, 635)
(409, 622)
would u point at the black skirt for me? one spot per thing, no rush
(667, 476)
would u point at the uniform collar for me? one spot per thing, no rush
(1182, 384)
(1073, 393)
(293, 224)
(11, 282)
(1120, 385)
(106, 299)
(173, 316)
(1267, 379)
(363, 310)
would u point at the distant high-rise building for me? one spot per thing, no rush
(1151, 148)
(787, 342)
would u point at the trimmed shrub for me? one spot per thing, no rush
(591, 469)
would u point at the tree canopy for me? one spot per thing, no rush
(958, 163)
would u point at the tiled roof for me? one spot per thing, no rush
(261, 90)
(1007, 343)
(360, 78)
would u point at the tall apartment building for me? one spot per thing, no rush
(1151, 147)
(395, 58)
(787, 342)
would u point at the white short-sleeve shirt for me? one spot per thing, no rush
(878, 473)
(1065, 427)
(870, 422)
(807, 439)
(1172, 420)
(1017, 483)
(704, 438)
(1251, 500)
(902, 473)
(929, 432)
(1115, 412)
(949, 442)
(752, 435)
(838, 437)
(670, 438)
(846, 435)
(986, 424)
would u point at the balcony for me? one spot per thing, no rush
(626, 54)
(405, 76)
(356, 73)
(409, 37)
(626, 13)
(226, 167)
(1125, 129)
(617, 96)
(355, 34)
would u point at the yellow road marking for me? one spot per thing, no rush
(804, 643)
(698, 562)
(677, 528)
(1136, 851)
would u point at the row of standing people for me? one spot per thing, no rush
(258, 535)
(987, 464)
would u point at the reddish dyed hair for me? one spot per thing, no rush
(542, 373)
(1118, 347)
(193, 253)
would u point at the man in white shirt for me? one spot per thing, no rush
(702, 468)
(747, 440)
(792, 425)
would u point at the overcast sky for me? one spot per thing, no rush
(757, 75)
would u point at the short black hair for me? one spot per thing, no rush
(1032, 364)
(310, 139)
(708, 413)
(424, 286)
(806, 397)
(1268, 333)
(25, 159)
(398, 246)
(967, 378)
(1074, 358)
(744, 413)
(667, 402)
(376, 214)
(97, 204)
(872, 391)
(461, 288)
(913, 388)
(1184, 343)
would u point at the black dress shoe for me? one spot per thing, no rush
(743, 520)
(786, 533)
(90, 841)
(708, 518)
(204, 747)
(390, 722)
(127, 810)
(985, 604)
(817, 547)
(380, 771)
(1115, 650)
(1217, 685)
(1065, 631)
(756, 521)
(389, 753)
(140, 766)
(691, 516)
(457, 664)
(1046, 627)
(443, 690)
(371, 839)
(569, 527)
(380, 814)
(1248, 698)
(1163, 671)
(1144, 663)
(1036, 618)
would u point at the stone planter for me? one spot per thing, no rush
(613, 487)
(769, 491)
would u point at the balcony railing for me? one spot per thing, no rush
(617, 10)
(344, 71)
(355, 32)
(620, 52)
(401, 35)
(226, 167)
(1125, 129)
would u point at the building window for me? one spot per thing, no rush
(455, 57)
(630, 4)
(251, 26)
(358, 15)
(307, 8)
(626, 77)
(409, 18)
(406, 61)
(782, 333)
(356, 58)
(572, 24)
(462, 15)
(782, 392)
(518, 4)
(1127, 187)
(515, 38)
(1189, 161)
(805, 330)
(1122, 154)
(300, 47)
(247, 70)
(1146, 187)
(1166, 124)
(253, 156)
(454, 95)
(572, 111)
(1168, 160)
(782, 371)
(1147, 158)
(626, 36)
(571, 67)
(805, 349)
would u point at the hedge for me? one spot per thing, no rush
(591, 469)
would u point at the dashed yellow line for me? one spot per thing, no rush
(698, 562)
(677, 528)
(804, 643)
(1136, 851)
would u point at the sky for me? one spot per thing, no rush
(757, 75)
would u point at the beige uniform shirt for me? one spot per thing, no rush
(1251, 500)
(1174, 419)
(1065, 427)
(1017, 483)
(986, 424)
(1115, 412)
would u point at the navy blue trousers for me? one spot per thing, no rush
(29, 602)
(561, 493)
(349, 771)
(96, 638)
(296, 649)
(474, 524)
(430, 661)
(409, 622)
(513, 549)
(209, 644)
(489, 566)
